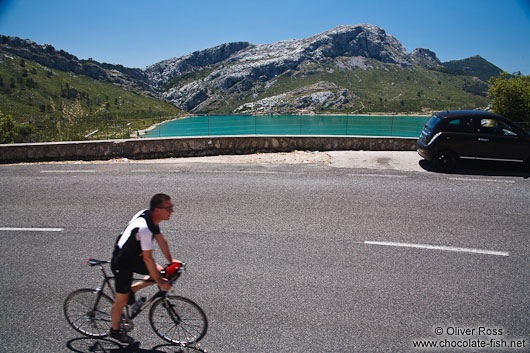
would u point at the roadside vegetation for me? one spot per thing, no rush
(51, 105)
(511, 97)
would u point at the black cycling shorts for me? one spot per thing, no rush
(124, 275)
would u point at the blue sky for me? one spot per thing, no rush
(138, 33)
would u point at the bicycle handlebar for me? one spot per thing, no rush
(177, 272)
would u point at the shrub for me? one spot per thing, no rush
(7, 128)
(511, 97)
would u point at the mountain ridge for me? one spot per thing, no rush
(245, 74)
(237, 75)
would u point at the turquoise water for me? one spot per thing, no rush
(402, 126)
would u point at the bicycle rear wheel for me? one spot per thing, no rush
(88, 312)
(178, 320)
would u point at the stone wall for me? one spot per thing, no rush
(149, 148)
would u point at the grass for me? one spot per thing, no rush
(52, 105)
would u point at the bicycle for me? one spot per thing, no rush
(174, 318)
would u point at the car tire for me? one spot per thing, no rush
(445, 161)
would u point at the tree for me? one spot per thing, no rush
(7, 128)
(511, 97)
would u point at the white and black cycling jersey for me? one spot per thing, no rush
(137, 236)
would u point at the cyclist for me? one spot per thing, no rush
(133, 254)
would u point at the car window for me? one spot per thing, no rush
(497, 127)
(433, 121)
(460, 125)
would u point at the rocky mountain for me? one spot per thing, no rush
(425, 58)
(357, 68)
(239, 68)
(321, 73)
(244, 60)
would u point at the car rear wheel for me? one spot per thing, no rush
(445, 161)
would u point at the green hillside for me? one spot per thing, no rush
(385, 88)
(52, 105)
(473, 66)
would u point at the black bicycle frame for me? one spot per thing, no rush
(128, 314)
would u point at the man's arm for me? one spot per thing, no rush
(150, 263)
(164, 247)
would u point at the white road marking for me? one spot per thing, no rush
(10, 229)
(439, 247)
(155, 171)
(485, 180)
(380, 175)
(249, 172)
(212, 171)
(262, 172)
(69, 171)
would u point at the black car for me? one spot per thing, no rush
(453, 135)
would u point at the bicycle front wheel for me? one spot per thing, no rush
(88, 312)
(178, 320)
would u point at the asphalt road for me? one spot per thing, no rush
(282, 258)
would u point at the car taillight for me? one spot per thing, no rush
(424, 137)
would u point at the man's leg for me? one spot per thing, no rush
(123, 281)
(117, 308)
(146, 282)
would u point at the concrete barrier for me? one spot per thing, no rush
(149, 148)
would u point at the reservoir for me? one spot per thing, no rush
(400, 126)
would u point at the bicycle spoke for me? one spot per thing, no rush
(84, 317)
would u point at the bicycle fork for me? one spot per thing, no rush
(171, 311)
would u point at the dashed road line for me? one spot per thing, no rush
(247, 172)
(439, 247)
(397, 176)
(263, 172)
(15, 229)
(70, 171)
(156, 171)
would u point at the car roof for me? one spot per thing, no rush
(465, 113)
